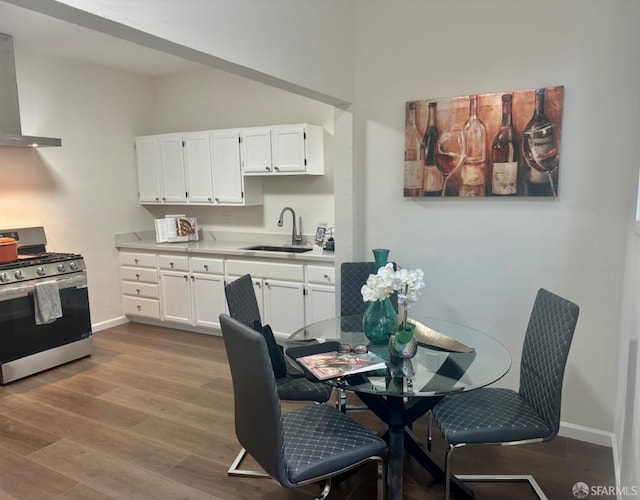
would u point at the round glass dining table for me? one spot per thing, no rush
(408, 388)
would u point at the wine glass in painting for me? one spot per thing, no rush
(540, 142)
(540, 150)
(449, 153)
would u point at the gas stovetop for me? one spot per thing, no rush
(40, 265)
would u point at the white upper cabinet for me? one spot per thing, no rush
(197, 160)
(196, 168)
(256, 150)
(172, 174)
(283, 150)
(227, 173)
(148, 171)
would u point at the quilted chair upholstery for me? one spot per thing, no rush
(504, 416)
(307, 445)
(352, 276)
(293, 386)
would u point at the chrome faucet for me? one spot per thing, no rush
(296, 238)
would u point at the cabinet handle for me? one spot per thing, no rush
(326, 276)
(277, 169)
(164, 199)
(139, 307)
(135, 260)
(171, 265)
(206, 267)
(157, 199)
(192, 278)
(258, 284)
(138, 291)
(267, 168)
(217, 200)
(186, 278)
(137, 276)
(209, 199)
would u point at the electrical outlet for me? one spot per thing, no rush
(226, 220)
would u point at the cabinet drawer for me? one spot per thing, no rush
(321, 274)
(138, 259)
(148, 290)
(136, 306)
(173, 262)
(258, 269)
(206, 265)
(139, 274)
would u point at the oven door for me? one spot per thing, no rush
(19, 334)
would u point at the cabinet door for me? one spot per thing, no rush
(320, 303)
(256, 150)
(148, 170)
(175, 297)
(288, 151)
(283, 306)
(227, 173)
(199, 172)
(174, 188)
(209, 300)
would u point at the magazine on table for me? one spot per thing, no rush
(326, 365)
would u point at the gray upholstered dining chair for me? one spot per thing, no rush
(291, 382)
(352, 276)
(507, 417)
(308, 445)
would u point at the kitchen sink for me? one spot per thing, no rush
(278, 248)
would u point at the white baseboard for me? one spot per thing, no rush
(103, 325)
(587, 434)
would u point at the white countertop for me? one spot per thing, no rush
(145, 240)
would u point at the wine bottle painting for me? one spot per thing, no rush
(499, 145)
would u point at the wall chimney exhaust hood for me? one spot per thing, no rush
(10, 128)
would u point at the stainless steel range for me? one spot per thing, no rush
(39, 281)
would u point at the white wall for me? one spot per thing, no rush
(302, 46)
(627, 426)
(85, 191)
(485, 259)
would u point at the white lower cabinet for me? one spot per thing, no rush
(279, 292)
(320, 298)
(140, 289)
(186, 290)
(191, 290)
(283, 305)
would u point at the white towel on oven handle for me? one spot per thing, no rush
(46, 299)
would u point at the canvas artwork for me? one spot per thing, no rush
(504, 144)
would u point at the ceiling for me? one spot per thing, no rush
(53, 36)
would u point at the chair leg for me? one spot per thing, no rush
(234, 470)
(485, 478)
(429, 423)
(341, 403)
(382, 480)
(447, 470)
(325, 490)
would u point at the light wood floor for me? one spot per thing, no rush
(150, 416)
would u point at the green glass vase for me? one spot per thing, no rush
(380, 320)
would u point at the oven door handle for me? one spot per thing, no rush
(78, 280)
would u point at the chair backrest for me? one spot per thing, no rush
(352, 276)
(241, 300)
(544, 355)
(255, 396)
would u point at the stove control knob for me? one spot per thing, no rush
(73, 265)
(19, 274)
(61, 268)
(4, 277)
(41, 271)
